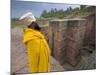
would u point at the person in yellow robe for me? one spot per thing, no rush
(37, 46)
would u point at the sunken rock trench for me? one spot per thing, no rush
(72, 42)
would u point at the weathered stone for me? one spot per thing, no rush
(74, 42)
(90, 32)
(58, 38)
(66, 37)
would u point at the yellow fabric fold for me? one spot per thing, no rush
(38, 51)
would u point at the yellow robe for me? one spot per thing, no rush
(38, 51)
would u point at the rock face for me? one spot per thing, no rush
(66, 38)
(57, 38)
(19, 58)
(87, 62)
(75, 36)
(90, 33)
